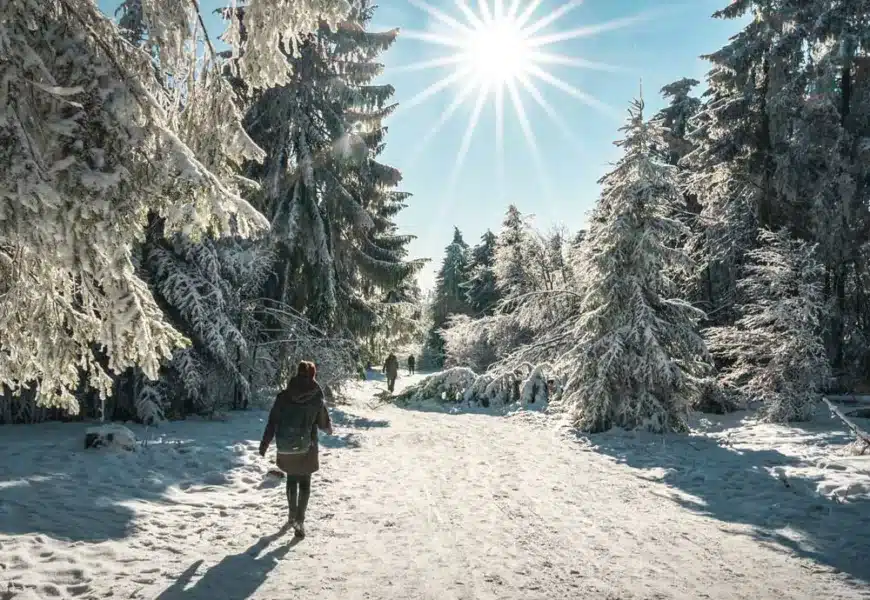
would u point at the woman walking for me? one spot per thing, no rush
(391, 370)
(298, 412)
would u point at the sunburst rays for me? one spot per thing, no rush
(504, 50)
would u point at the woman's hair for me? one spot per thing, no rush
(306, 369)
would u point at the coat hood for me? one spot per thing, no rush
(301, 389)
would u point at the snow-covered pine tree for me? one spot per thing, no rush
(633, 357)
(774, 352)
(480, 289)
(732, 164)
(377, 289)
(511, 256)
(676, 118)
(557, 248)
(825, 171)
(330, 202)
(93, 143)
(449, 298)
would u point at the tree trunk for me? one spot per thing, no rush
(765, 148)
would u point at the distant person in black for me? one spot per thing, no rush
(411, 363)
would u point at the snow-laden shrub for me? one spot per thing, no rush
(774, 353)
(489, 389)
(149, 402)
(447, 386)
(525, 385)
(713, 397)
(536, 387)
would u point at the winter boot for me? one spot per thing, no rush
(299, 529)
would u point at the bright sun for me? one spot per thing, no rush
(497, 51)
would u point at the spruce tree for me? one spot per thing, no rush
(449, 292)
(449, 297)
(633, 356)
(774, 352)
(481, 292)
(511, 260)
(824, 176)
(730, 165)
(341, 261)
(676, 118)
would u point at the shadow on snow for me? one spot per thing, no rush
(235, 577)
(342, 418)
(739, 487)
(50, 485)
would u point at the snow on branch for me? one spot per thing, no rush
(862, 437)
(100, 128)
(524, 385)
(447, 386)
(275, 29)
(774, 352)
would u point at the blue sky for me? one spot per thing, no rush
(574, 154)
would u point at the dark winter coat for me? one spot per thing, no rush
(391, 367)
(411, 362)
(300, 406)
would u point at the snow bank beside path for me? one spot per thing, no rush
(813, 451)
(788, 487)
(70, 516)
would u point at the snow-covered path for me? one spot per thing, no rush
(409, 505)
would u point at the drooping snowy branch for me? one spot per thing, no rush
(97, 134)
(521, 386)
(862, 438)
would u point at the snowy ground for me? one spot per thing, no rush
(415, 504)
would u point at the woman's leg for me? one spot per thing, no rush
(304, 495)
(293, 496)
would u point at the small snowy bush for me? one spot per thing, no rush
(535, 389)
(149, 402)
(495, 388)
(489, 389)
(447, 386)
